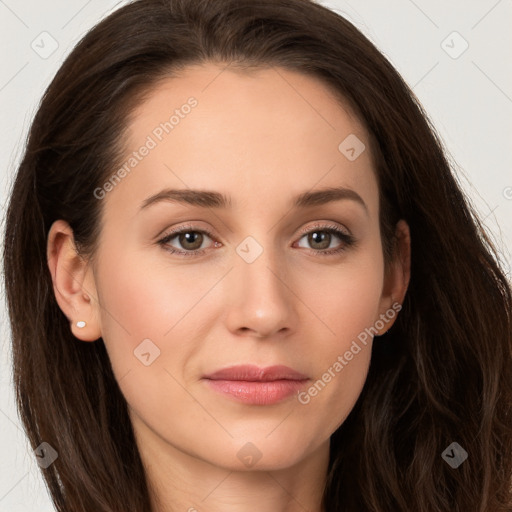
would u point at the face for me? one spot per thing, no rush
(262, 269)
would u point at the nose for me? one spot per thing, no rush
(261, 302)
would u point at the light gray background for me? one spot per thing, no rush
(468, 98)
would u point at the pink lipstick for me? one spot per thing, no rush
(257, 386)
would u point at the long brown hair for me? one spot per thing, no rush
(443, 373)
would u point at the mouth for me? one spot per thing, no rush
(257, 386)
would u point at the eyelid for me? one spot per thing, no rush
(185, 227)
(324, 226)
(303, 231)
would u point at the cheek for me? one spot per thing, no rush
(348, 302)
(341, 362)
(329, 399)
(139, 302)
(144, 323)
(346, 298)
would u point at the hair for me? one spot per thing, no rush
(442, 374)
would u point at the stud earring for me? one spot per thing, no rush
(80, 324)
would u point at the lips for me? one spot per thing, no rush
(251, 373)
(257, 386)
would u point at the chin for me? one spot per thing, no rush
(264, 452)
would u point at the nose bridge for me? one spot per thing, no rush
(263, 301)
(259, 264)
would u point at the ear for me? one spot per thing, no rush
(397, 278)
(73, 282)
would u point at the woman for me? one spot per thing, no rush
(254, 369)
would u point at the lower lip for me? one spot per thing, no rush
(257, 393)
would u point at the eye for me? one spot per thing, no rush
(191, 241)
(321, 237)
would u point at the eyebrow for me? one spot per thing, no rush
(211, 199)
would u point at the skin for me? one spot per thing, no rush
(260, 138)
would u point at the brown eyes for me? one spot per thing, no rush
(319, 239)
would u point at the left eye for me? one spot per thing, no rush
(322, 237)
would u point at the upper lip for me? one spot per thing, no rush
(252, 373)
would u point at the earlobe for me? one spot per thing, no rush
(69, 271)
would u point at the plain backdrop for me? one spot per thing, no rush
(455, 55)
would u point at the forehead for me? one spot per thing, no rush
(249, 134)
(248, 96)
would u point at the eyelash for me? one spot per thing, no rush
(348, 240)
